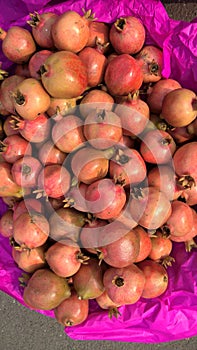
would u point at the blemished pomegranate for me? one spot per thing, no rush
(45, 290)
(7, 89)
(121, 32)
(8, 187)
(64, 75)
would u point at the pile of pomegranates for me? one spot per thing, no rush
(98, 163)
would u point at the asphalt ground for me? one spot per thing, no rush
(22, 329)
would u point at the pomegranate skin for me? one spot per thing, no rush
(6, 224)
(29, 260)
(64, 75)
(127, 35)
(123, 75)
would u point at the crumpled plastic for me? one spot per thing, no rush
(173, 315)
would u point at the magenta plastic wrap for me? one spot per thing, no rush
(172, 316)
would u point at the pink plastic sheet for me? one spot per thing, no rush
(172, 316)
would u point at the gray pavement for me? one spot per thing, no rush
(22, 329)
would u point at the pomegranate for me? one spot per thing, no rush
(31, 229)
(190, 195)
(18, 44)
(22, 70)
(123, 75)
(158, 91)
(151, 59)
(121, 252)
(59, 107)
(70, 32)
(30, 99)
(36, 61)
(98, 31)
(185, 160)
(26, 205)
(145, 243)
(106, 303)
(157, 147)
(45, 290)
(127, 167)
(65, 258)
(188, 237)
(88, 281)
(8, 128)
(105, 198)
(180, 221)
(164, 178)
(72, 311)
(64, 75)
(8, 87)
(25, 171)
(127, 35)
(95, 62)
(90, 233)
(67, 133)
(8, 187)
(95, 99)
(37, 130)
(49, 154)
(150, 207)
(29, 260)
(53, 181)
(156, 278)
(6, 224)
(179, 107)
(102, 129)
(66, 223)
(10, 152)
(161, 249)
(75, 197)
(41, 28)
(124, 285)
(134, 114)
(89, 164)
